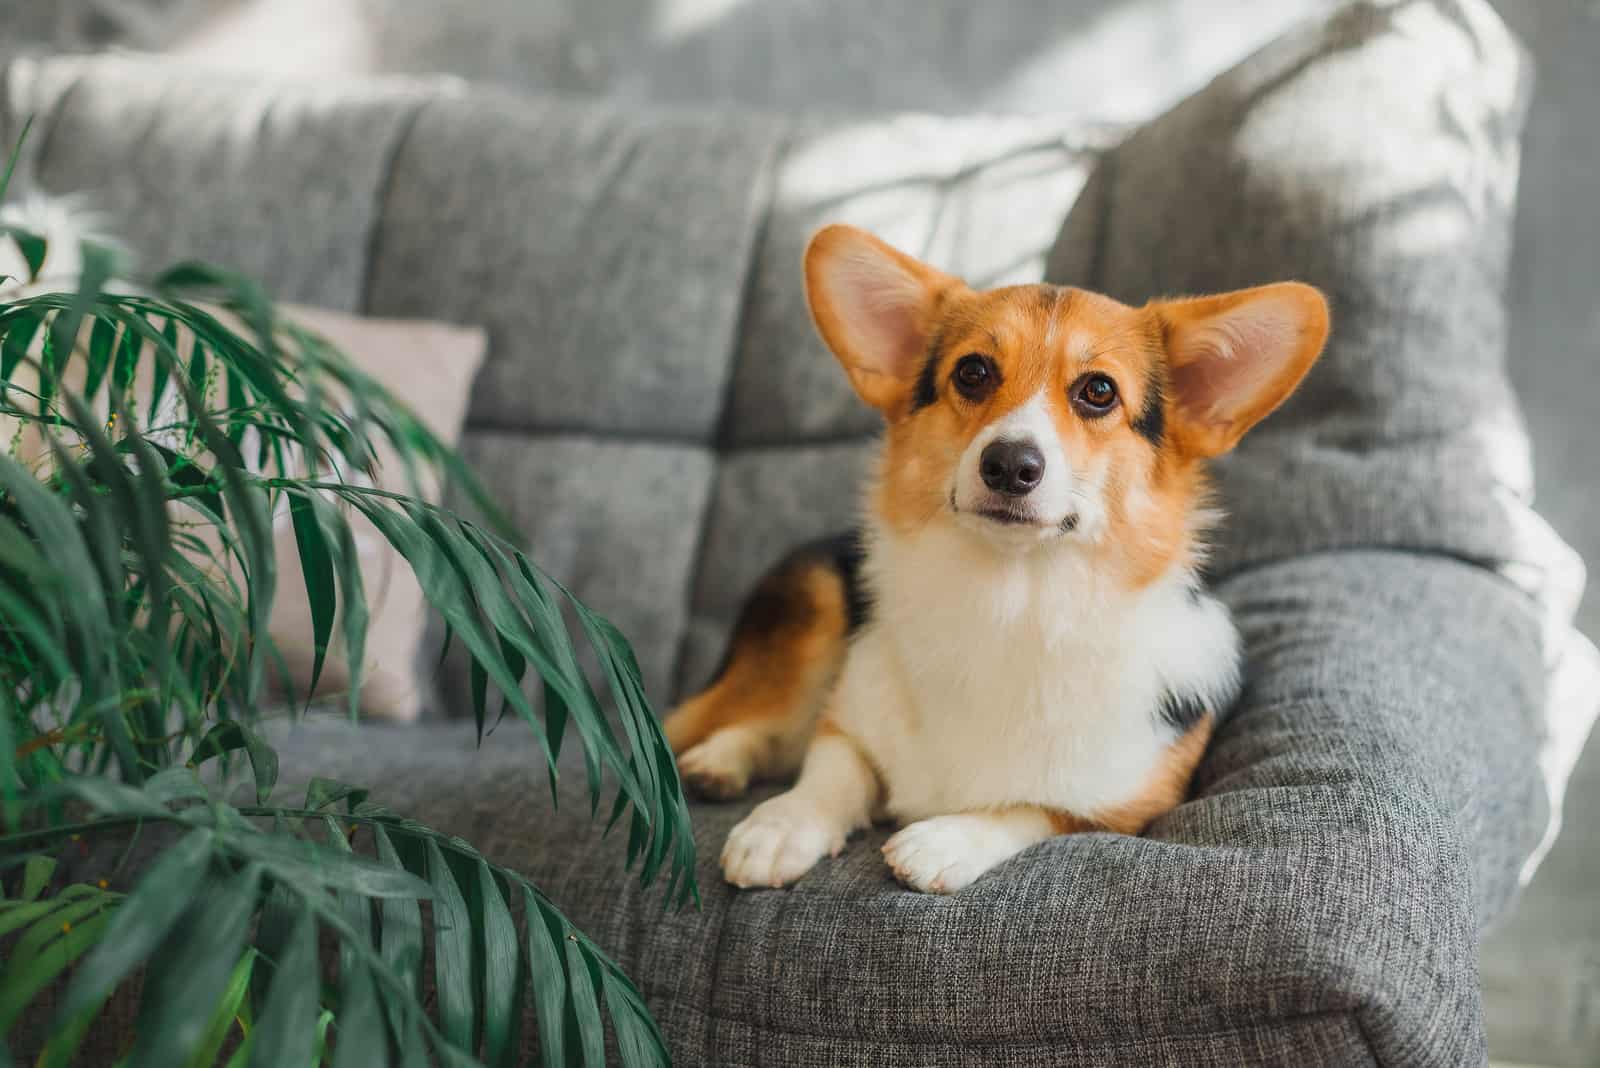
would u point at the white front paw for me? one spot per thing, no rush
(778, 842)
(944, 854)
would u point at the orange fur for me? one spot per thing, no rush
(1044, 338)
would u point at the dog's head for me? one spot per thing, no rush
(1043, 414)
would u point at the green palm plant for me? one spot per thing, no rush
(133, 654)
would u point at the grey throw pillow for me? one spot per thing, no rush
(1375, 155)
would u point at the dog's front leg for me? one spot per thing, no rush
(944, 854)
(784, 837)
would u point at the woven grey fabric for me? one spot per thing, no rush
(658, 417)
(604, 251)
(1314, 905)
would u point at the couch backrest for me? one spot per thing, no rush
(656, 412)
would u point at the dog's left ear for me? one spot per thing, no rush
(1236, 356)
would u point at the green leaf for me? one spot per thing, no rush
(65, 1039)
(582, 974)
(452, 942)
(24, 953)
(337, 534)
(31, 245)
(285, 1033)
(321, 1048)
(358, 1036)
(357, 909)
(230, 735)
(638, 1040)
(175, 784)
(98, 263)
(16, 154)
(20, 330)
(42, 636)
(400, 924)
(274, 925)
(320, 793)
(123, 372)
(499, 958)
(316, 565)
(447, 591)
(227, 1012)
(478, 686)
(45, 952)
(185, 976)
(143, 921)
(548, 975)
(36, 875)
(102, 339)
(58, 538)
(129, 353)
(17, 915)
(113, 798)
(304, 864)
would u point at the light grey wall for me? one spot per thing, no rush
(1542, 971)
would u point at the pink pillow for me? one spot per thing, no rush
(429, 366)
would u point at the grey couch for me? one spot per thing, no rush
(1367, 809)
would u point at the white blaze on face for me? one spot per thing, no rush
(1051, 502)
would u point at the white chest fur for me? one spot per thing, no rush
(988, 678)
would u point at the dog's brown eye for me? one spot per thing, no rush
(1095, 394)
(975, 376)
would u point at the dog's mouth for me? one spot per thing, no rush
(1009, 516)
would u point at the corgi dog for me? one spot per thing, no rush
(1015, 644)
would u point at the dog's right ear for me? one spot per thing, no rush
(874, 307)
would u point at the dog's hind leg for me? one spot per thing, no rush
(755, 719)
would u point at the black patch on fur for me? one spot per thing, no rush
(1194, 594)
(780, 603)
(926, 393)
(1152, 421)
(847, 554)
(1180, 710)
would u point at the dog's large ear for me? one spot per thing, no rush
(1235, 357)
(874, 307)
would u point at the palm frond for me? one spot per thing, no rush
(289, 873)
(149, 440)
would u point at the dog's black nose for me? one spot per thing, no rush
(1013, 468)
